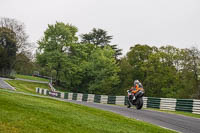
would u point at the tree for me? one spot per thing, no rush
(98, 37)
(126, 80)
(24, 65)
(165, 72)
(195, 63)
(78, 67)
(161, 78)
(138, 58)
(190, 62)
(103, 72)
(8, 50)
(91, 69)
(118, 51)
(19, 29)
(54, 47)
(22, 46)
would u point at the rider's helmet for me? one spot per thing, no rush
(136, 82)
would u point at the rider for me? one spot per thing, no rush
(137, 85)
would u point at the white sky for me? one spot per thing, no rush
(152, 22)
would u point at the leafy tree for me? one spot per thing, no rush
(103, 71)
(165, 72)
(194, 54)
(24, 65)
(21, 37)
(78, 67)
(21, 46)
(54, 47)
(161, 78)
(126, 80)
(98, 37)
(91, 70)
(190, 59)
(118, 52)
(138, 58)
(8, 50)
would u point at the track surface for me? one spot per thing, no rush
(5, 85)
(179, 123)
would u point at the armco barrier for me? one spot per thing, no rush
(104, 99)
(171, 104)
(51, 86)
(111, 100)
(168, 104)
(153, 102)
(196, 107)
(120, 100)
(90, 98)
(85, 97)
(144, 102)
(184, 105)
(97, 98)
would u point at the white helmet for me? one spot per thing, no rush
(136, 82)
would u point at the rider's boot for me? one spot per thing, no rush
(129, 104)
(133, 97)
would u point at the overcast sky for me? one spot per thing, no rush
(152, 22)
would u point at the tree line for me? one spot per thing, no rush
(89, 63)
(165, 72)
(88, 66)
(15, 49)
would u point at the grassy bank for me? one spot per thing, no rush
(25, 86)
(22, 114)
(31, 77)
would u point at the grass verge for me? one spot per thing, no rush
(31, 77)
(25, 86)
(21, 114)
(176, 112)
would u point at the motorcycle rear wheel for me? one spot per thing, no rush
(139, 103)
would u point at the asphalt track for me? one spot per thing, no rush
(175, 122)
(5, 85)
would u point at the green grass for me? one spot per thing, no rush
(25, 86)
(27, 114)
(31, 77)
(177, 112)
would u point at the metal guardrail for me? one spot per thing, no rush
(171, 104)
(51, 86)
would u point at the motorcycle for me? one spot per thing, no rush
(137, 100)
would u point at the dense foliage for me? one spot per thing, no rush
(8, 50)
(77, 66)
(165, 72)
(15, 50)
(97, 37)
(100, 37)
